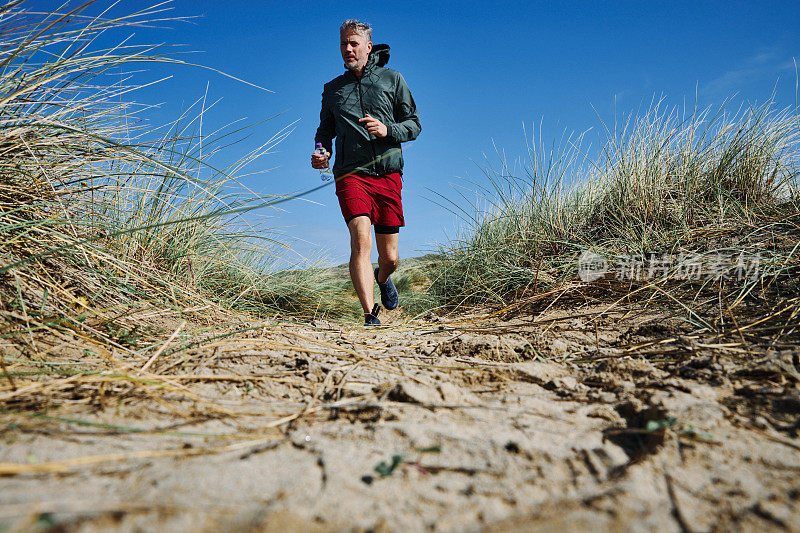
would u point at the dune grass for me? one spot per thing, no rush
(119, 241)
(665, 186)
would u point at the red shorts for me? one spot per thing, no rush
(378, 197)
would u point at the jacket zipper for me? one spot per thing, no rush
(371, 140)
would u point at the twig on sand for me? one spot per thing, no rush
(682, 523)
(163, 347)
(50, 467)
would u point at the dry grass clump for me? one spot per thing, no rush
(721, 190)
(119, 242)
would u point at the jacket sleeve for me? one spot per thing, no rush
(407, 125)
(327, 126)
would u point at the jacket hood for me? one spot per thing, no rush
(379, 56)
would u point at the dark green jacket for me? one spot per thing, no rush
(383, 94)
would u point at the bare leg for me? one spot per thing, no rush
(360, 264)
(388, 259)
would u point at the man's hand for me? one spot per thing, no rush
(320, 161)
(374, 126)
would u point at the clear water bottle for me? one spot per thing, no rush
(324, 173)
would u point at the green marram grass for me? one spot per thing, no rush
(665, 183)
(102, 215)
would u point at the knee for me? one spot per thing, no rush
(390, 260)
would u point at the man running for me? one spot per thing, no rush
(370, 111)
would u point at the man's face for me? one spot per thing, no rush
(355, 50)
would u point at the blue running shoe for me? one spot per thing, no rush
(371, 318)
(389, 297)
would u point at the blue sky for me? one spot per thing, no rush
(478, 71)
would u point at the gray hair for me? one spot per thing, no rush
(352, 25)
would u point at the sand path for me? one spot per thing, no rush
(551, 421)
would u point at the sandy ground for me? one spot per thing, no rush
(550, 421)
